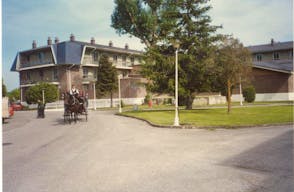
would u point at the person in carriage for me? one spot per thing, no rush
(78, 98)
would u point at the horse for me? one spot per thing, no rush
(71, 107)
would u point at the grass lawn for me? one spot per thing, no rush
(214, 117)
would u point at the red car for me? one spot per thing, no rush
(17, 106)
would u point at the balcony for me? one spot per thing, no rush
(36, 63)
(89, 60)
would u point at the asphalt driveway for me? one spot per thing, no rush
(117, 154)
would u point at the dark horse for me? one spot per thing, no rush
(73, 106)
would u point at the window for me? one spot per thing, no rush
(41, 56)
(114, 58)
(55, 74)
(95, 74)
(95, 56)
(41, 73)
(276, 56)
(291, 54)
(132, 60)
(124, 59)
(86, 87)
(28, 58)
(85, 73)
(28, 76)
(258, 57)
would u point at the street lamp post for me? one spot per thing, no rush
(43, 95)
(119, 95)
(176, 121)
(241, 97)
(94, 96)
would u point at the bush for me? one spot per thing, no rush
(249, 94)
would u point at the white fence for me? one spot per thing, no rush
(98, 103)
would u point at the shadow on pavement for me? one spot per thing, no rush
(273, 158)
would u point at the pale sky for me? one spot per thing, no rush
(251, 21)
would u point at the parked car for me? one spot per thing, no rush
(17, 106)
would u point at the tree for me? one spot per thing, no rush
(233, 62)
(196, 39)
(34, 93)
(144, 19)
(14, 95)
(106, 78)
(4, 89)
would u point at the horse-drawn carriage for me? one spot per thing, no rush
(73, 107)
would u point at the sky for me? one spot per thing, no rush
(251, 21)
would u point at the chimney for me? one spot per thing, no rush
(126, 46)
(92, 41)
(49, 41)
(72, 37)
(56, 40)
(34, 44)
(272, 41)
(110, 44)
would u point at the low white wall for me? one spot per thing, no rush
(209, 100)
(269, 97)
(102, 103)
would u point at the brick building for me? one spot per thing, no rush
(74, 62)
(273, 71)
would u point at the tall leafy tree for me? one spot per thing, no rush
(106, 78)
(232, 63)
(14, 95)
(144, 19)
(34, 93)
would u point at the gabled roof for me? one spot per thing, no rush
(279, 66)
(276, 46)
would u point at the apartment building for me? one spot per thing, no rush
(273, 71)
(75, 62)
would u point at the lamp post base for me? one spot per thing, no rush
(176, 122)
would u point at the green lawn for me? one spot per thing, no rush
(244, 116)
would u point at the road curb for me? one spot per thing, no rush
(202, 127)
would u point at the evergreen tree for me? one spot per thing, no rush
(106, 78)
(196, 38)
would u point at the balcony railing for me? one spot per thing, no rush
(89, 60)
(35, 63)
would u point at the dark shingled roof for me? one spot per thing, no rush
(277, 46)
(282, 66)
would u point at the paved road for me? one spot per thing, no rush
(116, 154)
